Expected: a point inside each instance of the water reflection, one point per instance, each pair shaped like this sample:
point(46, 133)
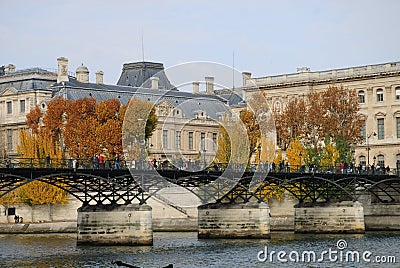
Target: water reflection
point(184, 250)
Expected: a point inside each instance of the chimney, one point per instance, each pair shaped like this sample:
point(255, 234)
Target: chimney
point(99, 77)
point(154, 82)
point(209, 84)
point(62, 74)
point(246, 77)
point(10, 68)
point(196, 87)
point(82, 74)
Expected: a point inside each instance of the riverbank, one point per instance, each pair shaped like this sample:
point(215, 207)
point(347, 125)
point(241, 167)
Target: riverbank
point(42, 227)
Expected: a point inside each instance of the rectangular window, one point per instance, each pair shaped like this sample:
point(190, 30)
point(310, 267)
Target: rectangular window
point(398, 126)
point(215, 141)
point(397, 93)
point(9, 139)
point(22, 106)
point(178, 140)
point(203, 141)
point(190, 140)
point(381, 129)
point(9, 107)
point(165, 139)
point(363, 132)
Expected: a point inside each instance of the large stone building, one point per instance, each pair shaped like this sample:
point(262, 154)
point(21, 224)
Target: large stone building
point(187, 127)
point(378, 88)
point(20, 91)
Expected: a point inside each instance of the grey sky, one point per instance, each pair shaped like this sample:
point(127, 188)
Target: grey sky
point(267, 37)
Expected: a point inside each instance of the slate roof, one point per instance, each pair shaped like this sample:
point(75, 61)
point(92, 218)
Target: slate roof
point(137, 74)
point(25, 83)
point(189, 103)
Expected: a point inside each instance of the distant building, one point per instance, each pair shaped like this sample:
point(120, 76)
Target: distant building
point(187, 127)
point(378, 88)
point(20, 91)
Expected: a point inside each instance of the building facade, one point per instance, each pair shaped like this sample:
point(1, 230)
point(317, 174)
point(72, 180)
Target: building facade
point(20, 91)
point(378, 88)
point(187, 126)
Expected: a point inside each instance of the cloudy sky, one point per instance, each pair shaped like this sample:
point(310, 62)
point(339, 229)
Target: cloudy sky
point(266, 37)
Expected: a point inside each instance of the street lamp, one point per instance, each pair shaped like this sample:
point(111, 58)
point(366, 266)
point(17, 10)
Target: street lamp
point(259, 154)
point(368, 148)
point(204, 153)
point(84, 155)
point(300, 155)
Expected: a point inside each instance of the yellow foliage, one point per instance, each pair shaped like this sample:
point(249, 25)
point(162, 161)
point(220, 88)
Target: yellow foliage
point(295, 153)
point(272, 191)
point(278, 157)
point(9, 199)
point(39, 193)
point(329, 156)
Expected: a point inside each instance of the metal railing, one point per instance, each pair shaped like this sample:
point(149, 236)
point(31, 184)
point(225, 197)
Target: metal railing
point(86, 163)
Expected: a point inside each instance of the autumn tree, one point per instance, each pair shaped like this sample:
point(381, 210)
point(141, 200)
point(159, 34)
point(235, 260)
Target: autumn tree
point(33, 119)
point(329, 114)
point(295, 154)
point(139, 122)
point(233, 146)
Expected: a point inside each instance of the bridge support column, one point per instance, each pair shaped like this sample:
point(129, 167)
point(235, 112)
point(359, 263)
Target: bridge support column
point(343, 217)
point(115, 225)
point(249, 220)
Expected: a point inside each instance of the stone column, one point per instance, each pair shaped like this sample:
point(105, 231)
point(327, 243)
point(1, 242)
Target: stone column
point(117, 225)
point(249, 220)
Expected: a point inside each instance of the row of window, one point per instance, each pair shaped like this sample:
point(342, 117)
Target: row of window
point(378, 160)
point(379, 95)
point(22, 106)
point(190, 140)
point(381, 129)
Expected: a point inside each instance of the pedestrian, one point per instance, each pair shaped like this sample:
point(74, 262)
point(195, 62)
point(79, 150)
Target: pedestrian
point(16, 218)
point(116, 162)
point(48, 160)
point(74, 164)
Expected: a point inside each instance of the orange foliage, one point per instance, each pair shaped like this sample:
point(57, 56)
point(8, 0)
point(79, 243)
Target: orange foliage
point(33, 119)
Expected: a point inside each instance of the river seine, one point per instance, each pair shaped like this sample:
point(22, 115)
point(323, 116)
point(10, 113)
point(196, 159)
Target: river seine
point(373, 249)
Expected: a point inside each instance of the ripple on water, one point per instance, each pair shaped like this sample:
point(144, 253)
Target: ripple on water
point(182, 250)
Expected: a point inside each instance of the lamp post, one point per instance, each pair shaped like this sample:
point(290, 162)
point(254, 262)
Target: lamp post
point(204, 154)
point(259, 154)
point(368, 148)
point(300, 155)
point(84, 155)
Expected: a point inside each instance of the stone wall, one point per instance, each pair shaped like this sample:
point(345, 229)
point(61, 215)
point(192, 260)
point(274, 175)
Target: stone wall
point(250, 220)
point(343, 217)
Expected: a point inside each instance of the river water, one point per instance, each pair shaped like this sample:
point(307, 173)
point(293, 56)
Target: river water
point(183, 249)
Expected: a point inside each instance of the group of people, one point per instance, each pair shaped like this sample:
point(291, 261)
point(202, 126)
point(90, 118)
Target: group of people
point(18, 219)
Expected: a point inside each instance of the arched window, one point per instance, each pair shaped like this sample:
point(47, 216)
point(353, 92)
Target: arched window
point(361, 96)
point(362, 160)
point(381, 161)
point(379, 95)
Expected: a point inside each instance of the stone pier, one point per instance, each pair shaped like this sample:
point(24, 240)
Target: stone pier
point(250, 220)
point(115, 225)
point(343, 217)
